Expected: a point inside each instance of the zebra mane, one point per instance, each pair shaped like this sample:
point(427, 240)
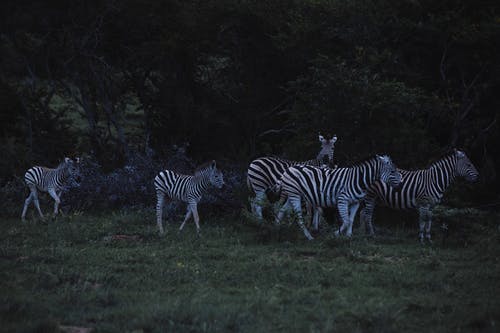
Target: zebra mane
point(203, 167)
point(61, 165)
point(447, 156)
point(367, 160)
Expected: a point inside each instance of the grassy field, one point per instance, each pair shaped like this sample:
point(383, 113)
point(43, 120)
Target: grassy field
point(113, 273)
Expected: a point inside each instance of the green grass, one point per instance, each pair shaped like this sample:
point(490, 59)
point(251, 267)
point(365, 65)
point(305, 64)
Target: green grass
point(242, 278)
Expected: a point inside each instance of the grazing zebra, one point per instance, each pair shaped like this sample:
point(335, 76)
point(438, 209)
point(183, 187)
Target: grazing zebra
point(421, 189)
point(52, 181)
point(186, 188)
point(264, 172)
point(341, 187)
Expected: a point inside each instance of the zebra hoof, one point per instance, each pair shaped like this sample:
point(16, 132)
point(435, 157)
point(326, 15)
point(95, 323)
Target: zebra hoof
point(308, 236)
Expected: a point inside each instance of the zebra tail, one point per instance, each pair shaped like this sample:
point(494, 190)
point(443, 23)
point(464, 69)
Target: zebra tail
point(273, 193)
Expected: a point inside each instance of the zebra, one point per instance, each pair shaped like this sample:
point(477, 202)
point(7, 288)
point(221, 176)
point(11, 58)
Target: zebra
point(341, 187)
point(186, 188)
point(421, 190)
point(264, 172)
point(49, 180)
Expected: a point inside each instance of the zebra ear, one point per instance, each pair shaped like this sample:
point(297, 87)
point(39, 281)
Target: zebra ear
point(383, 158)
point(213, 165)
point(321, 138)
point(67, 160)
point(459, 153)
point(78, 160)
point(334, 139)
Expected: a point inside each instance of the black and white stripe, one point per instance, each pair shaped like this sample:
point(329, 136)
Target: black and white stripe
point(49, 180)
point(341, 187)
point(421, 189)
point(264, 172)
point(186, 188)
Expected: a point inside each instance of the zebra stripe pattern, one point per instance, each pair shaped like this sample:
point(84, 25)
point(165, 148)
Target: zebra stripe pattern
point(186, 188)
point(52, 181)
point(264, 172)
point(421, 190)
point(341, 187)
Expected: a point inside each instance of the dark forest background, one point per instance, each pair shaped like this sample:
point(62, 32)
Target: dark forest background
point(113, 81)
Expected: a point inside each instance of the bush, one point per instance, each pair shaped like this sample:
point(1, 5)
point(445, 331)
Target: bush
point(130, 186)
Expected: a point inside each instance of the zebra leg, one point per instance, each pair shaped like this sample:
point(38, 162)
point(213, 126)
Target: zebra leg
point(257, 204)
point(284, 208)
point(196, 218)
point(428, 226)
point(352, 214)
point(186, 218)
point(318, 212)
point(423, 217)
point(57, 201)
point(343, 209)
point(26, 204)
point(366, 216)
point(160, 200)
point(37, 204)
point(310, 213)
point(297, 207)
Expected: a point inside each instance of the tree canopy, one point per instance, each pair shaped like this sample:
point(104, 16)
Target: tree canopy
point(241, 79)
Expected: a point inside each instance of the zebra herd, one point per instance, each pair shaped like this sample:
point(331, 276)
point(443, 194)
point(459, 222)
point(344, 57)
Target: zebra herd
point(317, 183)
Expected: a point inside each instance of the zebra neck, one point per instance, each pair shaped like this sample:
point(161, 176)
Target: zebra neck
point(203, 180)
point(442, 173)
point(369, 172)
point(62, 173)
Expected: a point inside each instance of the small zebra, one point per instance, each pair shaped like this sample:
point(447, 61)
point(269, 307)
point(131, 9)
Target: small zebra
point(52, 181)
point(341, 187)
point(264, 172)
point(186, 188)
point(421, 190)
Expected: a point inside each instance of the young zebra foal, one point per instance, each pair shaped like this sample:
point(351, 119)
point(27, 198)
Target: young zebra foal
point(186, 188)
point(52, 181)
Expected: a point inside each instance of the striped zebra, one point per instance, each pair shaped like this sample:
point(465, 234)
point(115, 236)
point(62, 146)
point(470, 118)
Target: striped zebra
point(421, 190)
point(53, 181)
point(186, 188)
point(341, 187)
point(264, 172)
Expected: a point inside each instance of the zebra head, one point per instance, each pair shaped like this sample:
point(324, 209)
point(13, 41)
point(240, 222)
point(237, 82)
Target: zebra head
point(327, 149)
point(73, 169)
point(464, 167)
point(216, 177)
point(389, 174)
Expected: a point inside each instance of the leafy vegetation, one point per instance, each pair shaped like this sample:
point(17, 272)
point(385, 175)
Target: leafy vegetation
point(243, 79)
point(112, 272)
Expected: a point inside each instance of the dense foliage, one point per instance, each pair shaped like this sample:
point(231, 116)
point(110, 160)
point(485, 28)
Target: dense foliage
point(239, 79)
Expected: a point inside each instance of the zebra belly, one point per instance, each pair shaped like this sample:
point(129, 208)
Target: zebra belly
point(397, 200)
